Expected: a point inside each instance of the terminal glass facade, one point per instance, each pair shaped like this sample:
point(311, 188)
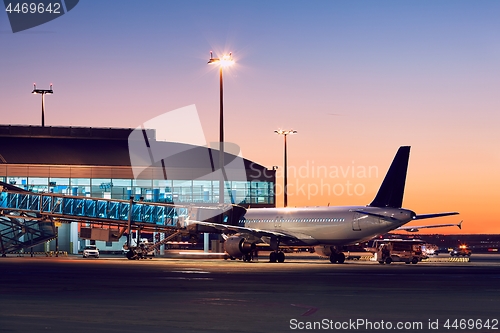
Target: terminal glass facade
point(151, 190)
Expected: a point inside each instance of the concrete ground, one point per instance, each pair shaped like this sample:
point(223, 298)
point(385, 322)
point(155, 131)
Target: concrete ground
point(112, 294)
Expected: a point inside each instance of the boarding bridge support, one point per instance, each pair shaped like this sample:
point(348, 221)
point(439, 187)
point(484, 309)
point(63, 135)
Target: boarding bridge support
point(17, 233)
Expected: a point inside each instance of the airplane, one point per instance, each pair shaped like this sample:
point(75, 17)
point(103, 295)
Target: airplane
point(327, 229)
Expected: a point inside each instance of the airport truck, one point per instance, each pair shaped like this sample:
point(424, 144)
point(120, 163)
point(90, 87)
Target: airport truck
point(408, 251)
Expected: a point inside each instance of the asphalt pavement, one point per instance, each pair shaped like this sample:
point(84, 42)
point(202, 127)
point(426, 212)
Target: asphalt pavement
point(112, 294)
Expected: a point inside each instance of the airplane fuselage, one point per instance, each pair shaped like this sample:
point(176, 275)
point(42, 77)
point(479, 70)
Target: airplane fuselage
point(313, 226)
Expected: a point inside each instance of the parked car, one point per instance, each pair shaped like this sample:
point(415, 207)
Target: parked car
point(90, 251)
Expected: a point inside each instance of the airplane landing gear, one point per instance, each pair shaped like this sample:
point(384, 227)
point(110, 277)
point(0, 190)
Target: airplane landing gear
point(337, 257)
point(131, 255)
point(277, 256)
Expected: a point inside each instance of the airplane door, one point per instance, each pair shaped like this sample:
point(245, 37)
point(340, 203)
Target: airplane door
point(277, 222)
point(356, 222)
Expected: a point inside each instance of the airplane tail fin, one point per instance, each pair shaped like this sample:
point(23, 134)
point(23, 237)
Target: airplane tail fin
point(392, 189)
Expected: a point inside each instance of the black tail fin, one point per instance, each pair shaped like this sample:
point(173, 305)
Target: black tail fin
point(392, 189)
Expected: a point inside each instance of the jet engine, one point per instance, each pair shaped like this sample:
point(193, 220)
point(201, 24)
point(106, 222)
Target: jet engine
point(323, 251)
point(237, 246)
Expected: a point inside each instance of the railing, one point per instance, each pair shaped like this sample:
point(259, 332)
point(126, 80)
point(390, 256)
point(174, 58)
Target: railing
point(27, 218)
point(77, 207)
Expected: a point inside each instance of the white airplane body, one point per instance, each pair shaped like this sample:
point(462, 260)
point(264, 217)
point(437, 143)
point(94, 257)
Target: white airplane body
point(326, 225)
point(326, 228)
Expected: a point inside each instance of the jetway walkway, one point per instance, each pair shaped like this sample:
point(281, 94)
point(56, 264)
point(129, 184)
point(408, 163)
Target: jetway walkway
point(77, 208)
point(28, 219)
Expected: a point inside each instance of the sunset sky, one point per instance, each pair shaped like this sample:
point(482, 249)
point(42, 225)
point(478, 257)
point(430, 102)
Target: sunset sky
point(356, 79)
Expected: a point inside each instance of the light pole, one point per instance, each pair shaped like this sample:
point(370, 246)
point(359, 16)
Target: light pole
point(225, 61)
point(42, 92)
point(285, 133)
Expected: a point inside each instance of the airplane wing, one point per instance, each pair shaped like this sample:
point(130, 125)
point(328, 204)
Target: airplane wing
point(416, 217)
point(235, 229)
point(417, 228)
point(430, 216)
point(374, 214)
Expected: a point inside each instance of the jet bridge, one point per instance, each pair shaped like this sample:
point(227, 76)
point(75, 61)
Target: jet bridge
point(27, 219)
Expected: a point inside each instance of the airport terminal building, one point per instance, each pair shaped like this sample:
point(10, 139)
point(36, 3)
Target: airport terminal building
point(96, 162)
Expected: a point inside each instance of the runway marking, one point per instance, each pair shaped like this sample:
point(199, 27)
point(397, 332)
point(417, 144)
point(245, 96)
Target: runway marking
point(182, 278)
point(310, 311)
point(222, 301)
point(190, 272)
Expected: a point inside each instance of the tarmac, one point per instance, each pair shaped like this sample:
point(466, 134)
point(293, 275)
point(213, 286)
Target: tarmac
point(112, 294)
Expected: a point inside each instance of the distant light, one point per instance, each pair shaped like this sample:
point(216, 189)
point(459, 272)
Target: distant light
point(285, 132)
point(225, 61)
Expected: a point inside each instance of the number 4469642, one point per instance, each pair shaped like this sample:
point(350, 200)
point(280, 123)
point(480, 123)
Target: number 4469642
point(32, 8)
point(471, 324)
